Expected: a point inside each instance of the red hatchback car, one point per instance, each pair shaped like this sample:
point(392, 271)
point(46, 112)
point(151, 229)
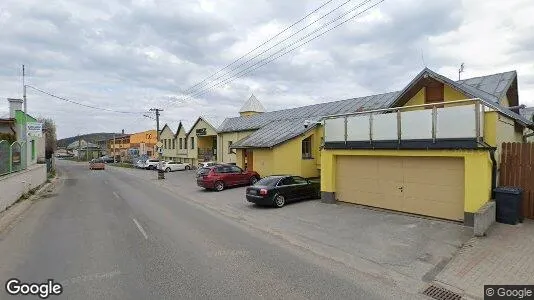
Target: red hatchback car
point(219, 177)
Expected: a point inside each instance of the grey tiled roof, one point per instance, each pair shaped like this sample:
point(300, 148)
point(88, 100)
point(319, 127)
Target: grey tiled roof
point(496, 84)
point(276, 127)
point(310, 111)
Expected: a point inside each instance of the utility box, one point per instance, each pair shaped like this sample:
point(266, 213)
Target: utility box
point(509, 205)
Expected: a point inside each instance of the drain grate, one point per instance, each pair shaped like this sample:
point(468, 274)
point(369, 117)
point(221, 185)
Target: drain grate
point(440, 293)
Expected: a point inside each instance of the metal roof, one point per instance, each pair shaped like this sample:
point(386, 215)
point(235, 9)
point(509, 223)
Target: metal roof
point(252, 104)
point(279, 126)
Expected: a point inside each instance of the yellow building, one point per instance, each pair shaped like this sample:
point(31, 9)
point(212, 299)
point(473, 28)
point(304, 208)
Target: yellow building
point(201, 142)
point(145, 141)
point(435, 152)
point(181, 144)
point(166, 137)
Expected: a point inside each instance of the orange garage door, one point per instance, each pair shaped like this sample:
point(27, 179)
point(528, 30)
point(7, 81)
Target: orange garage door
point(431, 186)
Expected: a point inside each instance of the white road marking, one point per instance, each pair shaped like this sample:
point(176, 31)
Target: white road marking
point(90, 277)
point(105, 182)
point(140, 228)
point(116, 195)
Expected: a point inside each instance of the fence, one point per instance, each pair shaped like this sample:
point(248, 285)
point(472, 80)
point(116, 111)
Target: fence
point(517, 162)
point(12, 157)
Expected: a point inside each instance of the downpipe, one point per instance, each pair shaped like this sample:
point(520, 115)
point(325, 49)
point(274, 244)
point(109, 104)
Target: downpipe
point(493, 172)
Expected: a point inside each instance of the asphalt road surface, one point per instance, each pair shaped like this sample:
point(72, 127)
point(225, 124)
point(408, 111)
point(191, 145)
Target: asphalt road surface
point(110, 235)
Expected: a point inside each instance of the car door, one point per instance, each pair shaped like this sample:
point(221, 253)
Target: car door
point(285, 188)
point(240, 177)
point(226, 175)
point(301, 188)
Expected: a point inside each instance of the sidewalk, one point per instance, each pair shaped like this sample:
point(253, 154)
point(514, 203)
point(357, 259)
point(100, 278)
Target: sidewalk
point(505, 256)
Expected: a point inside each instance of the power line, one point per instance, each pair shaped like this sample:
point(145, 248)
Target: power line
point(81, 104)
point(259, 46)
point(275, 45)
point(268, 60)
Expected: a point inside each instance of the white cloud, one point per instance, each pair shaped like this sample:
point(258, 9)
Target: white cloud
point(135, 55)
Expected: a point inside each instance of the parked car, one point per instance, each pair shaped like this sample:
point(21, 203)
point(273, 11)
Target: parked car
point(140, 164)
point(97, 164)
point(151, 164)
point(107, 159)
point(219, 177)
point(175, 166)
point(207, 164)
point(279, 190)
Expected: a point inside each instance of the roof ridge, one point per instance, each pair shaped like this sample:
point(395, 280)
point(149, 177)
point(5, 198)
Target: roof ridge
point(476, 77)
point(317, 104)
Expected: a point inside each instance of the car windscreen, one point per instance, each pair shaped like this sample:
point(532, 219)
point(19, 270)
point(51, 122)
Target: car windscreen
point(203, 171)
point(268, 181)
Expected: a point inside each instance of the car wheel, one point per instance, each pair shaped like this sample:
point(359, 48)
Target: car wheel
point(168, 170)
point(219, 186)
point(319, 194)
point(151, 167)
point(253, 180)
point(279, 200)
point(188, 168)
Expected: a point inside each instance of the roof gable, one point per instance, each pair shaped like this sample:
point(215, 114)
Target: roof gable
point(167, 130)
point(204, 120)
point(181, 128)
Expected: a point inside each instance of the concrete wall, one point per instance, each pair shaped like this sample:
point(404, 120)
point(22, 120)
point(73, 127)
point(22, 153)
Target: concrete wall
point(15, 185)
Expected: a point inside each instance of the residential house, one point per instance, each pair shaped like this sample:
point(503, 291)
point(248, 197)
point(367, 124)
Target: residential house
point(202, 141)
point(14, 126)
point(83, 149)
point(431, 149)
point(181, 144)
point(166, 137)
point(119, 146)
point(528, 113)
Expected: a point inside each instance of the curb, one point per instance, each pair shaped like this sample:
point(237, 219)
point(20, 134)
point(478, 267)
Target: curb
point(12, 213)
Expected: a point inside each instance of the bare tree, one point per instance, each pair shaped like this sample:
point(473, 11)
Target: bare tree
point(49, 128)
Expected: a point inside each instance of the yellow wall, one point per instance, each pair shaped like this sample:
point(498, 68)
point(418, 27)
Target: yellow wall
point(449, 94)
point(477, 170)
point(418, 99)
point(147, 137)
point(222, 149)
point(286, 158)
point(248, 113)
point(192, 153)
point(263, 162)
point(168, 152)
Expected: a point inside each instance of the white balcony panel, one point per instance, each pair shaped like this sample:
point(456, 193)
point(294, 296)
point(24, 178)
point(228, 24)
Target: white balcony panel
point(334, 130)
point(456, 122)
point(358, 128)
point(416, 125)
point(385, 127)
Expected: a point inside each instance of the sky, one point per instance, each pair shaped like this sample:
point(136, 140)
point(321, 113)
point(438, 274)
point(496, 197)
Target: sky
point(133, 55)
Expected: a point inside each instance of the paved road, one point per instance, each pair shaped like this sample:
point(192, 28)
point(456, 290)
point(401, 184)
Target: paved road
point(110, 235)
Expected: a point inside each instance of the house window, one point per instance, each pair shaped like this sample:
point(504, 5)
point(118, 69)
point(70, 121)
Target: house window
point(173, 144)
point(185, 143)
point(165, 144)
point(180, 143)
point(306, 148)
point(192, 143)
point(229, 147)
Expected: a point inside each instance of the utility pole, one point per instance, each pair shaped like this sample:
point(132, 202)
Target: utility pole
point(25, 114)
point(114, 161)
point(161, 173)
point(79, 146)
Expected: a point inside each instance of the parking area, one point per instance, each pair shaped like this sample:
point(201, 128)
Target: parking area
point(406, 249)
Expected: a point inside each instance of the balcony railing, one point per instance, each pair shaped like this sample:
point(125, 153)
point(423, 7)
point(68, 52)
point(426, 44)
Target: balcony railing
point(453, 124)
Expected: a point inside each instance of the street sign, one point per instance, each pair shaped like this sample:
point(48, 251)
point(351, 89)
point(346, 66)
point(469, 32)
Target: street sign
point(160, 150)
point(34, 129)
point(159, 144)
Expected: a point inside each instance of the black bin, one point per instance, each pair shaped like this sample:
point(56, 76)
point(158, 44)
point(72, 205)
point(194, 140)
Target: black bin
point(509, 205)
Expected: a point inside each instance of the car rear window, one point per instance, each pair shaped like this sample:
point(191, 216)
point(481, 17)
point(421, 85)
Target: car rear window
point(268, 181)
point(203, 171)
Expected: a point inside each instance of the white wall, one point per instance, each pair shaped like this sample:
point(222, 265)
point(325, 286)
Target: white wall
point(14, 185)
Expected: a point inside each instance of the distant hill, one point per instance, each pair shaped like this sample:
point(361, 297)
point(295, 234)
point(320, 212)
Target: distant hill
point(90, 137)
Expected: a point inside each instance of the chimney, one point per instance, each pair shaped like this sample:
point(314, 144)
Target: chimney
point(14, 105)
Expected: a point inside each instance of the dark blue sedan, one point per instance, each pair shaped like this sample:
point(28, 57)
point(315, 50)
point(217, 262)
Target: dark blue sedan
point(280, 189)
